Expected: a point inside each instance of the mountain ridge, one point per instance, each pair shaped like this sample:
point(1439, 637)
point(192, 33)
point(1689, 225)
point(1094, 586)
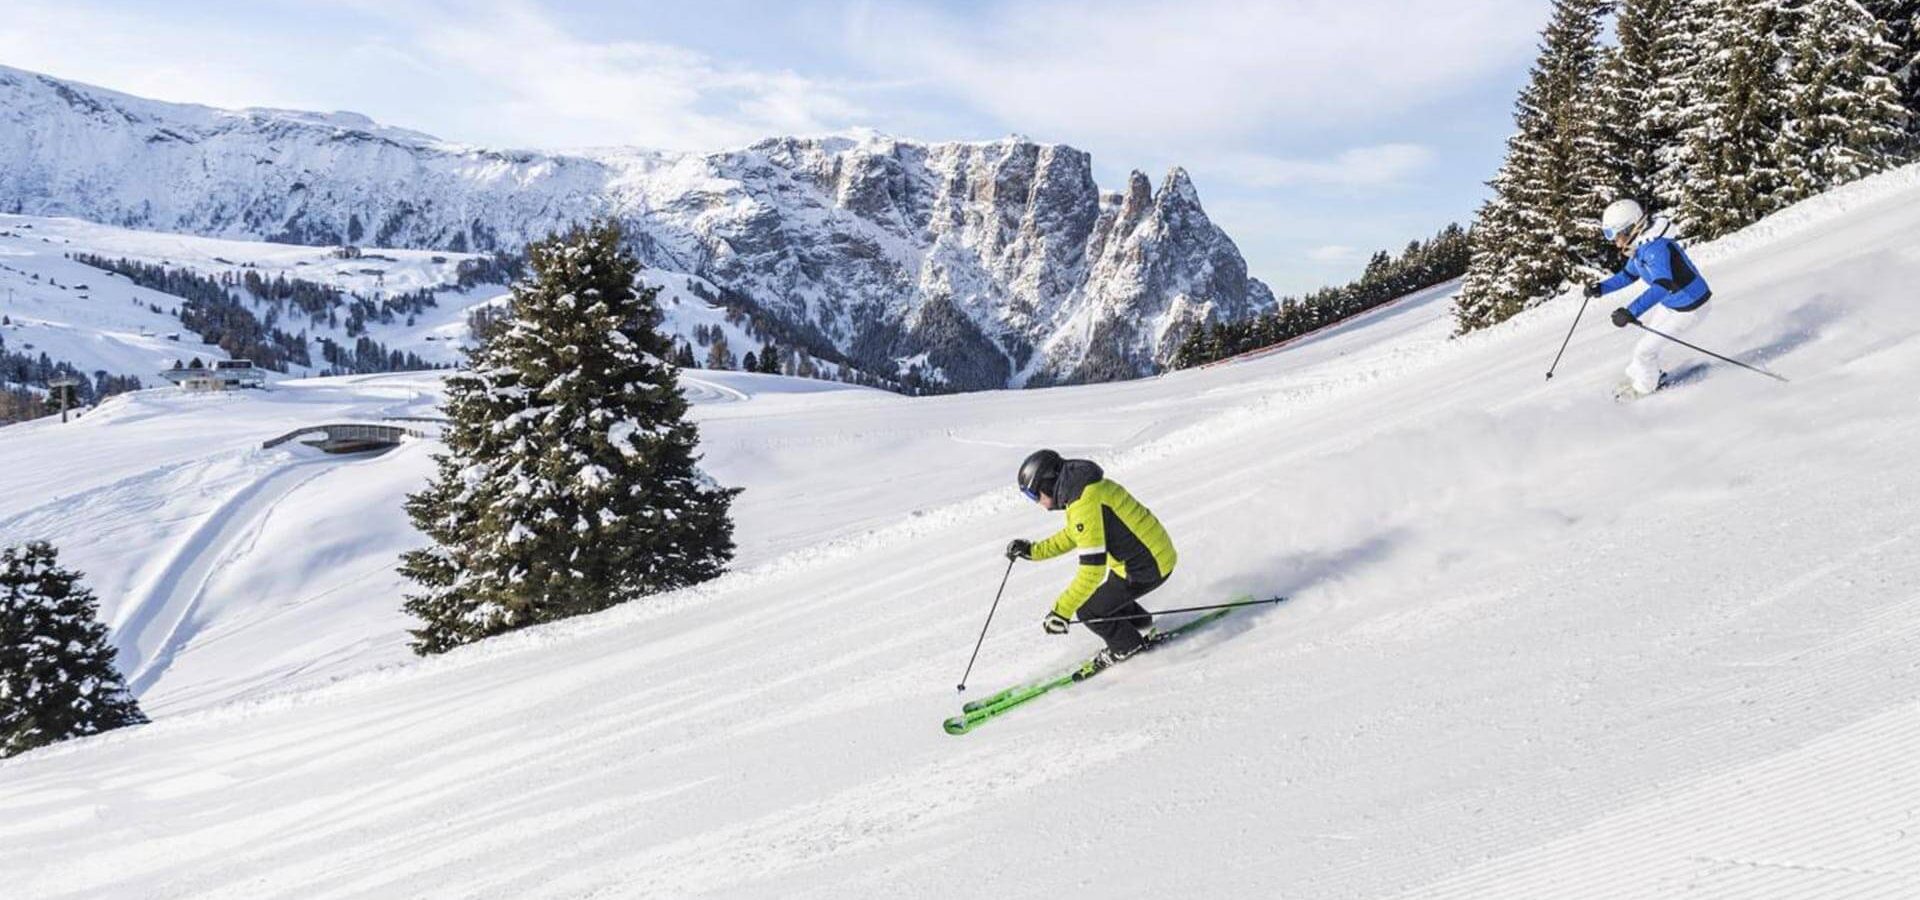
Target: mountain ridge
point(988, 264)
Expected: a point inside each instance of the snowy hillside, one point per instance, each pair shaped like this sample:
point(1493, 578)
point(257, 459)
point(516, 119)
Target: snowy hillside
point(99, 321)
point(1539, 643)
point(987, 263)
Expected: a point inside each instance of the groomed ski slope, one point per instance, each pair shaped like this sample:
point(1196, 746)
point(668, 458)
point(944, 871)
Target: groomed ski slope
point(1540, 644)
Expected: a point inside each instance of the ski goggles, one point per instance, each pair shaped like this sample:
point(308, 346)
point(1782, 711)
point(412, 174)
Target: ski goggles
point(1031, 494)
point(1613, 234)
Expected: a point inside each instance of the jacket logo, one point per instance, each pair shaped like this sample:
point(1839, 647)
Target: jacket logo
point(1082, 526)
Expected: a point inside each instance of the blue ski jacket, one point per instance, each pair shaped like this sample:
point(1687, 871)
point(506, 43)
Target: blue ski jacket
point(1670, 276)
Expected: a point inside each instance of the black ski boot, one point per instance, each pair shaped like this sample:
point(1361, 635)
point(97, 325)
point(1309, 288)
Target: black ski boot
point(1105, 659)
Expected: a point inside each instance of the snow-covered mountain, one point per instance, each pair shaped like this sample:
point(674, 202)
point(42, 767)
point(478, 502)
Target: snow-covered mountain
point(988, 264)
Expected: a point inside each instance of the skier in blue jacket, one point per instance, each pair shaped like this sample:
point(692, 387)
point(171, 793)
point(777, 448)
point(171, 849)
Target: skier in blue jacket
point(1675, 300)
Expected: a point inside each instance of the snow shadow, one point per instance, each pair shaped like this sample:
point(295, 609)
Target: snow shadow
point(1293, 574)
point(1801, 326)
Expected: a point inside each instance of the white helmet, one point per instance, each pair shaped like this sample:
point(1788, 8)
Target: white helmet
point(1621, 217)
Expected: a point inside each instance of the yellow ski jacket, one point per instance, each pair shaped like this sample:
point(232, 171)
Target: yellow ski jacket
point(1112, 532)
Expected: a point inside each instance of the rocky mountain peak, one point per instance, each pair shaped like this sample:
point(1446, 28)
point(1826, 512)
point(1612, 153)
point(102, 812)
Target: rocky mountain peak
point(984, 264)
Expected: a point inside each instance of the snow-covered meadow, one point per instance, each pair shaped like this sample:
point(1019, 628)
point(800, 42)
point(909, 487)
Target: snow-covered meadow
point(1539, 643)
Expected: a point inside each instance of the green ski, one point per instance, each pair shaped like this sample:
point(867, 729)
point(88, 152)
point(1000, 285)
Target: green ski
point(978, 711)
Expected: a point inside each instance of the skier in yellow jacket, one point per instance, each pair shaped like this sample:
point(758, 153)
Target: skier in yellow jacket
point(1124, 552)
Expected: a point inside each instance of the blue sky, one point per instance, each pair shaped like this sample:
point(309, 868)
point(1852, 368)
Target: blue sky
point(1316, 130)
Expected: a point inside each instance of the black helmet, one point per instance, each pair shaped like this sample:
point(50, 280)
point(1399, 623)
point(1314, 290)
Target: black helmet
point(1038, 473)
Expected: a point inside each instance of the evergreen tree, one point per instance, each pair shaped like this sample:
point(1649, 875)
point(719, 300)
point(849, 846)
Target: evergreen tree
point(1902, 18)
point(57, 679)
point(1674, 102)
point(683, 356)
point(1732, 137)
point(1633, 127)
point(1487, 297)
point(1844, 117)
point(1543, 217)
point(570, 482)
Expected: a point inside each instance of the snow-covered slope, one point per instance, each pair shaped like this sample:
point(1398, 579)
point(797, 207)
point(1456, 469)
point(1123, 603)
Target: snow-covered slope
point(1539, 643)
point(994, 263)
point(99, 321)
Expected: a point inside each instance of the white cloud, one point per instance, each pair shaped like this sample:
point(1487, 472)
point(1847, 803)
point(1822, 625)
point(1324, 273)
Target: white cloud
point(518, 64)
point(1197, 70)
point(1376, 166)
point(503, 73)
point(1333, 253)
point(124, 53)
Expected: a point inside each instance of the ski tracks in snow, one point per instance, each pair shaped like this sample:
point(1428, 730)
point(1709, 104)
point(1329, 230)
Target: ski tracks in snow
point(152, 630)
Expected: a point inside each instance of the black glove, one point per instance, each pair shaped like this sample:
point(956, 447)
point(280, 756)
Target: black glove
point(1622, 318)
point(1593, 290)
point(1055, 623)
point(1019, 548)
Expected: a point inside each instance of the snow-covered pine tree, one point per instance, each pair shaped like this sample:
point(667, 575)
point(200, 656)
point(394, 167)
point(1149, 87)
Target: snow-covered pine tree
point(1844, 117)
point(1486, 296)
point(1543, 218)
point(57, 679)
point(1632, 126)
point(1902, 18)
point(1734, 141)
point(570, 482)
point(1677, 99)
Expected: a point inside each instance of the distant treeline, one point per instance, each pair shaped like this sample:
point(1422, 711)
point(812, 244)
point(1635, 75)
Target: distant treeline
point(21, 372)
point(1421, 265)
point(210, 307)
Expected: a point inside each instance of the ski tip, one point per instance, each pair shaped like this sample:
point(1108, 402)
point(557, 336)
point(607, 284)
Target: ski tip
point(955, 725)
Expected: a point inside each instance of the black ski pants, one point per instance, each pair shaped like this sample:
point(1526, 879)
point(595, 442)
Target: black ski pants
point(1119, 597)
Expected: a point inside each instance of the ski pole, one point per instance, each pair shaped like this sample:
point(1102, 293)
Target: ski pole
point(1717, 356)
point(983, 626)
point(1563, 344)
point(1180, 610)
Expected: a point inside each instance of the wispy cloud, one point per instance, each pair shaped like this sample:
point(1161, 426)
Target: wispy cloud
point(1196, 70)
point(521, 65)
point(505, 72)
point(1333, 253)
point(1376, 166)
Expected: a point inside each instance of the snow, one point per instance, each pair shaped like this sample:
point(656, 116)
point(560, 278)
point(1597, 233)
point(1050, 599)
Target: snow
point(111, 326)
point(1539, 643)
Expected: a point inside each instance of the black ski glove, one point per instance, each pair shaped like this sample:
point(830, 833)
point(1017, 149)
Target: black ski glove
point(1019, 548)
point(1055, 623)
point(1622, 318)
point(1593, 290)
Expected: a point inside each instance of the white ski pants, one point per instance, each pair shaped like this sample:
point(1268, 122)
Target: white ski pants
point(1644, 369)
